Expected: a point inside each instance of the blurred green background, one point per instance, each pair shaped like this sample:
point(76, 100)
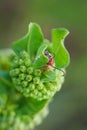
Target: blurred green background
point(68, 110)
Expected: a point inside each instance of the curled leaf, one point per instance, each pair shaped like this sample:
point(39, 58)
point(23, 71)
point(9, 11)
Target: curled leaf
point(21, 44)
point(35, 39)
point(61, 57)
point(41, 59)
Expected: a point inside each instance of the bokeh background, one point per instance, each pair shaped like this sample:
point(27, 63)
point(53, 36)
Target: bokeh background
point(68, 110)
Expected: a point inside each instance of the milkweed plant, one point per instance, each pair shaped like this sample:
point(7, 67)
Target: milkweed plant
point(30, 75)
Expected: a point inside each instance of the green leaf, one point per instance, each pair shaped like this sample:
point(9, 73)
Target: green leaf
point(61, 58)
point(41, 59)
point(49, 76)
point(35, 39)
point(30, 106)
point(21, 44)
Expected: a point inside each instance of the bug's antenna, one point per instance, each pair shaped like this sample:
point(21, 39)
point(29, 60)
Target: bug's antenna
point(59, 69)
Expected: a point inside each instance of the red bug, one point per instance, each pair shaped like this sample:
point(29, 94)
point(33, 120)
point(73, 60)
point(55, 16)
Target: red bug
point(50, 64)
point(51, 61)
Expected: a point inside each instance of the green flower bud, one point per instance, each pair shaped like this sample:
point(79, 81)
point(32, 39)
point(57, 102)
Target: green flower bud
point(27, 62)
point(40, 94)
point(23, 69)
point(15, 64)
point(30, 70)
point(49, 93)
point(21, 76)
point(20, 62)
point(35, 92)
point(44, 90)
point(16, 81)
point(40, 86)
point(14, 72)
point(24, 54)
point(31, 86)
point(29, 78)
point(27, 90)
point(24, 83)
point(37, 72)
point(36, 80)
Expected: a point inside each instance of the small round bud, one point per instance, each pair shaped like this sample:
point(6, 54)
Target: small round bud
point(27, 62)
point(40, 94)
point(30, 70)
point(23, 69)
point(14, 72)
point(29, 81)
point(15, 64)
point(40, 86)
point(20, 62)
point(23, 54)
point(49, 86)
point(21, 76)
point(35, 92)
point(44, 90)
point(18, 82)
point(28, 78)
point(24, 83)
point(36, 80)
point(31, 86)
point(49, 93)
point(14, 80)
point(27, 90)
point(37, 72)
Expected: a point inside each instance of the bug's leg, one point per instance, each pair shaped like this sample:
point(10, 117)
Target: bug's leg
point(60, 70)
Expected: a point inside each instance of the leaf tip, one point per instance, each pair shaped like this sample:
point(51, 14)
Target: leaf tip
point(60, 32)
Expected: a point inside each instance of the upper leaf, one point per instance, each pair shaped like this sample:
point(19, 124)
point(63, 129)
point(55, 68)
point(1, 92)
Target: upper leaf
point(61, 57)
point(35, 39)
point(21, 44)
point(41, 59)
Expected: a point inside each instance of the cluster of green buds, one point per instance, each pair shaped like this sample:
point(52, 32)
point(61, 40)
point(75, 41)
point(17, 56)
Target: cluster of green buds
point(30, 77)
point(30, 81)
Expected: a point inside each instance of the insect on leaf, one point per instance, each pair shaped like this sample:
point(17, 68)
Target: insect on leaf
point(41, 59)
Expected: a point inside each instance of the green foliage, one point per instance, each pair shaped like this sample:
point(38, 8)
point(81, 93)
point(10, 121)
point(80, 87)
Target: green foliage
point(35, 39)
point(40, 55)
point(21, 44)
point(34, 43)
point(28, 85)
point(58, 36)
point(33, 82)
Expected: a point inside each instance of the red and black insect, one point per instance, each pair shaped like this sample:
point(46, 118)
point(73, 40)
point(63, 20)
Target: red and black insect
point(50, 57)
point(50, 64)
